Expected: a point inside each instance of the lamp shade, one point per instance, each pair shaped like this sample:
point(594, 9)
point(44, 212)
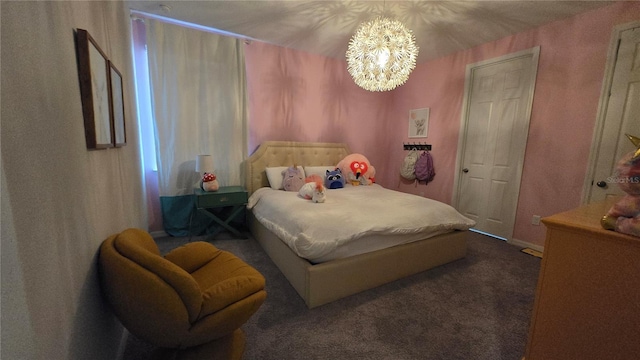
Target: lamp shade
point(204, 164)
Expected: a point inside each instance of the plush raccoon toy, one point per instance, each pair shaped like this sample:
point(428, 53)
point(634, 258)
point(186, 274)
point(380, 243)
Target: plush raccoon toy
point(334, 179)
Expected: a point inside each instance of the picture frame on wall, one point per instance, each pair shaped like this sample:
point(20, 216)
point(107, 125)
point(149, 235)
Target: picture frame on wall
point(116, 101)
point(419, 123)
point(93, 72)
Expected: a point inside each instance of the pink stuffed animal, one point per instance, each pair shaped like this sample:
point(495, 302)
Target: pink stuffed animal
point(624, 216)
point(358, 169)
point(314, 178)
point(292, 179)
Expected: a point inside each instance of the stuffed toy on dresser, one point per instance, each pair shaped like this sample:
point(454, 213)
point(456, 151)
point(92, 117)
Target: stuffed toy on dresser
point(624, 215)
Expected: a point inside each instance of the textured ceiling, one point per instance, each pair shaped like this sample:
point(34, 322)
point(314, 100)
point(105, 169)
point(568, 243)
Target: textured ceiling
point(325, 27)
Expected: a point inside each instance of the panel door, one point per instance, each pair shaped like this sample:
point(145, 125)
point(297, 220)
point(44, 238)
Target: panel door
point(496, 129)
point(622, 117)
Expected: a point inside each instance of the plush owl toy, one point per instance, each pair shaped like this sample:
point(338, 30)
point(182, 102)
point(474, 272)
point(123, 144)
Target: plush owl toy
point(624, 216)
point(357, 169)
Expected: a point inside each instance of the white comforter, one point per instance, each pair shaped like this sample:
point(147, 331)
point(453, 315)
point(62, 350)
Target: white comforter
point(313, 230)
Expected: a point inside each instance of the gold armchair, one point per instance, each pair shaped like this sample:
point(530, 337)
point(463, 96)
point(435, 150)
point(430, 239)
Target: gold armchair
point(196, 294)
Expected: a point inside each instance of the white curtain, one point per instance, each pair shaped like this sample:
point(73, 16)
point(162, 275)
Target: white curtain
point(198, 88)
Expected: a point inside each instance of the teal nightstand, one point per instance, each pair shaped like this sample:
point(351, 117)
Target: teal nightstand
point(228, 200)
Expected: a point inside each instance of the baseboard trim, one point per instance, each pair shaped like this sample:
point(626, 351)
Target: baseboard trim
point(526, 244)
point(158, 234)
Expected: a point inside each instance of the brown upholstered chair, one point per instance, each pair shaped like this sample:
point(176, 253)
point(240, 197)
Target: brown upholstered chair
point(195, 297)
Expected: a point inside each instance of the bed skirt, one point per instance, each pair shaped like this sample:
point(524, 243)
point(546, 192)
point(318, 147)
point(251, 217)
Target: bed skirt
point(319, 284)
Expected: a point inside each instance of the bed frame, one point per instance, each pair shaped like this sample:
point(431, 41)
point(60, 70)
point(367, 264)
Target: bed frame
point(319, 284)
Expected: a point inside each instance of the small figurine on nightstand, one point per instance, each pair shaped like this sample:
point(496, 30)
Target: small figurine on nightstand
point(209, 182)
point(624, 216)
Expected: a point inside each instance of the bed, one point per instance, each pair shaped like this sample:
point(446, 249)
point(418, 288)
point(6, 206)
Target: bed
point(330, 277)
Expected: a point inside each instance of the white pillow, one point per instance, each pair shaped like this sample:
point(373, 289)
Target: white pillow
point(274, 175)
point(318, 170)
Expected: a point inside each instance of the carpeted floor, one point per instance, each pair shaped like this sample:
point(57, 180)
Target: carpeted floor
point(475, 308)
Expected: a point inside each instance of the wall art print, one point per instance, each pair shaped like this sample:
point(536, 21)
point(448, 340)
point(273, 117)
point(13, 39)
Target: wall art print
point(94, 89)
point(116, 101)
point(419, 123)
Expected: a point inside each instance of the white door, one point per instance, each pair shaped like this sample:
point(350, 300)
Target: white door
point(622, 117)
point(498, 99)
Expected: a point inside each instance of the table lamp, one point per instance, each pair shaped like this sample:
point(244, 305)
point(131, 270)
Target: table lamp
point(204, 164)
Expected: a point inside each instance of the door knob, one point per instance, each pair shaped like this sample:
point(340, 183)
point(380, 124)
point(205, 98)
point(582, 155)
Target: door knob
point(465, 170)
point(601, 184)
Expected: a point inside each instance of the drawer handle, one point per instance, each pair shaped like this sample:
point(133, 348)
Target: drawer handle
point(224, 199)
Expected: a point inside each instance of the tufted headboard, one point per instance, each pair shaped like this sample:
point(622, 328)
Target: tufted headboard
point(287, 153)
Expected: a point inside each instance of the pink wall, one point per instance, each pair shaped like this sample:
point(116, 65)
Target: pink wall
point(297, 96)
point(570, 73)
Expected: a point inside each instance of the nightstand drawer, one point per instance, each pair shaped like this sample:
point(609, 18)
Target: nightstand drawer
point(225, 196)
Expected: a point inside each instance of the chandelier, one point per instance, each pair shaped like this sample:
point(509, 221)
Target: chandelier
point(381, 55)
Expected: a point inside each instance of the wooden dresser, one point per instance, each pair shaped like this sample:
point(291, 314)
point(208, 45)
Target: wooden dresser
point(587, 303)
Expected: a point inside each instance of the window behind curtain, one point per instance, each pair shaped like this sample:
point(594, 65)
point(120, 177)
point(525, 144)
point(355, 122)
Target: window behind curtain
point(191, 100)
